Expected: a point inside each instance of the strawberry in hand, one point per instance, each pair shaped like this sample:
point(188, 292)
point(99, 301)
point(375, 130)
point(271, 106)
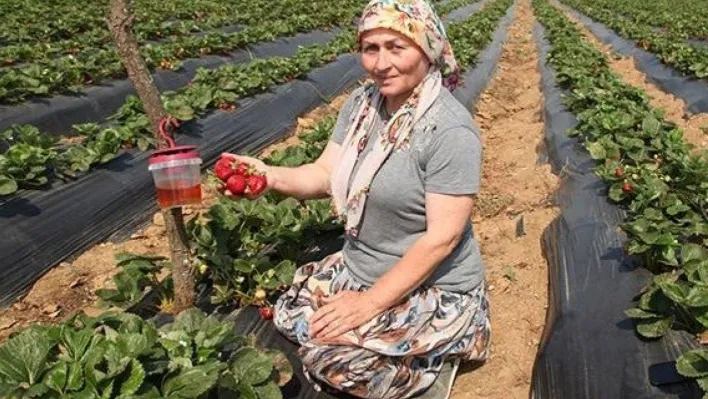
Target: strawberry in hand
point(224, 169)
point(256, 184)
point(236, 185)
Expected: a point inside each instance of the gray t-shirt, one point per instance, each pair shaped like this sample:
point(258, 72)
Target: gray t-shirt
point(444, 157)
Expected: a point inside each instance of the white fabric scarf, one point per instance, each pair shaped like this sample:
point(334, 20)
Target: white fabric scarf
point(350, 203)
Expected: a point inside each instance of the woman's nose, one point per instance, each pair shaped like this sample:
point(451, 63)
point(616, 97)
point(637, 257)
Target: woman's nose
point(382, 62)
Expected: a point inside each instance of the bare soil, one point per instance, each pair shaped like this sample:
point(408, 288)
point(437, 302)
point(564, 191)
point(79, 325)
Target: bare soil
point(70, 287)
point(695, 127)
point(513, 210)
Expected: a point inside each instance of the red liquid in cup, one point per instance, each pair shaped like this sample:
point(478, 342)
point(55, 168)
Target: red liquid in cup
point(170, 197)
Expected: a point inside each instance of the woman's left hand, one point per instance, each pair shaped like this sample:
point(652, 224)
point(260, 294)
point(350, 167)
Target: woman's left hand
point(342, 313)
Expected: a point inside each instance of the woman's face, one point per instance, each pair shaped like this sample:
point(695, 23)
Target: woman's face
point(395, 63)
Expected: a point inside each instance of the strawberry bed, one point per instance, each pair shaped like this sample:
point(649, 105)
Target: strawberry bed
point(657, 192)
point(50, 74)
point(670, 46)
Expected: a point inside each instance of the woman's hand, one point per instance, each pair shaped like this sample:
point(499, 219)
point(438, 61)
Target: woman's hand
point(259, 167)
point(342, 313)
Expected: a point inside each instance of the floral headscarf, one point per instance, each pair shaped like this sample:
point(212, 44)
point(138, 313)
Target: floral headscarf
point(416, 20)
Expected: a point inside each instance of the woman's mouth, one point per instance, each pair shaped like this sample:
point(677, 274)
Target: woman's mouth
point(386, 80)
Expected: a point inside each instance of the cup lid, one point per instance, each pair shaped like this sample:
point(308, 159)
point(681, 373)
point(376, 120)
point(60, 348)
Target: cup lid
point(181, 152)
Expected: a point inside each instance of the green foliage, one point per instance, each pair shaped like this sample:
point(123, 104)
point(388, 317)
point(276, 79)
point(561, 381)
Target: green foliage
point(660, 27)
point(651, 172)
point(118, 355)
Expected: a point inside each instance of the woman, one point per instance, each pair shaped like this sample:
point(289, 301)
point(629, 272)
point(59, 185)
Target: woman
point(406, 295)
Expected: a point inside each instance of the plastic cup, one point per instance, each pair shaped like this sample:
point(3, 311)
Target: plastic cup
point(177, 175)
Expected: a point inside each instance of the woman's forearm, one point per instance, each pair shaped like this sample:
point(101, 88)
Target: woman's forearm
point(310, 181)
point(418, 263)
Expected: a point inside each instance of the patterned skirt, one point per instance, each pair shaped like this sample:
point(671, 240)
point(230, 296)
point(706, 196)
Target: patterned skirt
point(397, 354)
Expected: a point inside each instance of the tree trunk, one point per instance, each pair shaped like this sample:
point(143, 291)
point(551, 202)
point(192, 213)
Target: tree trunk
point(120, 24)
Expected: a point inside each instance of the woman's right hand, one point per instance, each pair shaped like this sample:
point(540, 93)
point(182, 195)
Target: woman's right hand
point(259, 167)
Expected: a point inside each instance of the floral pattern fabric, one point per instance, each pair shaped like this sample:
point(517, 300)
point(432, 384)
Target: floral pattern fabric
point(399, 353)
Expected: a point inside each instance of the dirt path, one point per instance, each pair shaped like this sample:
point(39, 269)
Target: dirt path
point(515, 187)
point(70, 286)
point(695, 127)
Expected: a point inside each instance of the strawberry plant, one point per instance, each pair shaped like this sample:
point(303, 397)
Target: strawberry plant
point(50, 74)
point(138, 274)
point(250, 249)
point(672, 49)
point(683, 18)
point(652, 173)
point(119, 355)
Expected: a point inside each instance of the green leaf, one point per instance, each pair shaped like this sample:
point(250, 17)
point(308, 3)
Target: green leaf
point(76, 343)
point(693, 363)
point(134, 380)
point(701, 315)
point(654, 328)
point(285, 272)
point(76, 377)
point(190, 321)
point(653, 214)
point(636, 313)
point(57, 377)
point(651, 125)
point(691, 252)
point(269, 391)
point(675, 291)
point(251, 366)
point(23, 358)
point(616, 194)
point(192, 383)
point(8, 185)
point(133, 345)
point(697, 297)
point(703, 383)
point(596, 150)
point(247, 391)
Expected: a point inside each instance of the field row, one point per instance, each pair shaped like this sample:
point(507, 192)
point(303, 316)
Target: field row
point(67, 73)
point(652, 173)
point(672, 49)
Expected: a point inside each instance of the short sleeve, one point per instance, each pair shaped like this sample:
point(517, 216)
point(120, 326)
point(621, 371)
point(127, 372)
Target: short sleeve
point(453, 162)
point(340, 128)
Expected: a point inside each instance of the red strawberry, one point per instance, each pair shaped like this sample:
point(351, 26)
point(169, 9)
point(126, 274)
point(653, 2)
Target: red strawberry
point(619, 172)
point(236, 184)
point(256, 184)
point(626, 187)
point(224, 169)
point(243, 169)
point(266, 312)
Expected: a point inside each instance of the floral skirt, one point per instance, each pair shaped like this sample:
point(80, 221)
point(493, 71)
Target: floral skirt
point(397, 354)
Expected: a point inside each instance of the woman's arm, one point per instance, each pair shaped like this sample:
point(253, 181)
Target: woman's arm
point(309, 181)
point(446, 218)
